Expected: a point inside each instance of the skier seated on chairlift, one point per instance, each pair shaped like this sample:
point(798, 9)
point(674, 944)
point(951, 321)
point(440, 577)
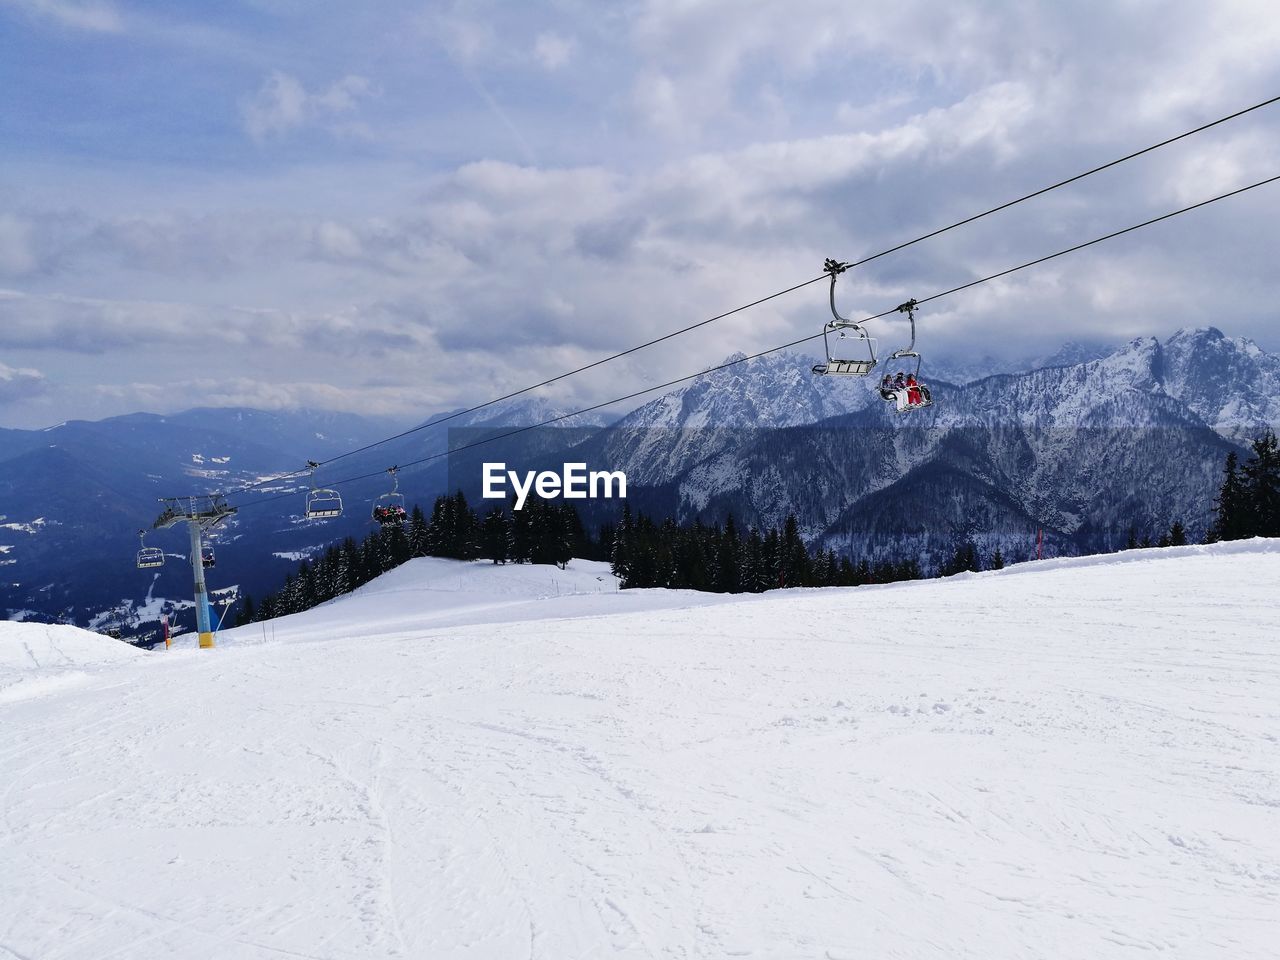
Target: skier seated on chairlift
point(388, 514)
point(914, 397)
point(923, 397)
point(904, 391)
point(894, 390)
point(900, 394)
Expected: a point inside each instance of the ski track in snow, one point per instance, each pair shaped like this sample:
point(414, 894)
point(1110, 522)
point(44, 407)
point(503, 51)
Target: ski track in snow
point(1068, 759)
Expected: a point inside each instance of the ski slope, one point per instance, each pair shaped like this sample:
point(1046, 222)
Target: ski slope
point(1068, 759)
point(429, 591)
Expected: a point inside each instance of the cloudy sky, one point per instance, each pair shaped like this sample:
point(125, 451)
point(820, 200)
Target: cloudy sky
point(397, 207)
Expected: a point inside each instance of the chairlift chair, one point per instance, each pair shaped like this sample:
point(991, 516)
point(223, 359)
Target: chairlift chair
point(321, 501)
point(148, 557)
point(388, 509)
point(207, 558)
point(926, 398)
point(852, 363)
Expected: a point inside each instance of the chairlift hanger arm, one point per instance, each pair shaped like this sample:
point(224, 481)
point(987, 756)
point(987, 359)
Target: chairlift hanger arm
point(909, 308)
point(835, 268)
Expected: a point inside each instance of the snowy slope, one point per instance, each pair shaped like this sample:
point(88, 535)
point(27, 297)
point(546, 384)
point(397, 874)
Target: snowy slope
point(36, 658)
point(1069, 759)
point(430, 591)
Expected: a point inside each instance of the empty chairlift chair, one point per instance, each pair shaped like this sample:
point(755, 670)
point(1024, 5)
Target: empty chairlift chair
point(148, 556)
point(857, 358)
point(322, 502)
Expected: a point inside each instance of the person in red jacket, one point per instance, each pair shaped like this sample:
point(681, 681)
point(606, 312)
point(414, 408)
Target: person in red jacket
point(914, 397)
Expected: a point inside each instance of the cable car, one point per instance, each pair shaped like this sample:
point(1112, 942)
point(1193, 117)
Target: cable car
point(322, 503)
point(148, 557)
point(858, 358)
point(207, 559)
point(388, 509)
point(911, 395)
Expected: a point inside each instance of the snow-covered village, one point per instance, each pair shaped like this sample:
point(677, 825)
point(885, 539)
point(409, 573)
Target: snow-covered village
point(655, 480)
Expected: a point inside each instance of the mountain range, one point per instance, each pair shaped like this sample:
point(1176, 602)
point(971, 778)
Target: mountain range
point(1083, 445)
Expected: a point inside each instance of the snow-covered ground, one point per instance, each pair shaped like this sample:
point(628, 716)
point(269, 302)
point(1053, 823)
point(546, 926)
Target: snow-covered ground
point(1071, 759)
point(37, 658)
point(445, 593)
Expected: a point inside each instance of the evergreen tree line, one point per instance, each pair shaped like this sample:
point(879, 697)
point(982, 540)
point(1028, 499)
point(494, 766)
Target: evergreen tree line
point(1248, 503)
point(645, 553)
point(1175, 536)
point(642, 553)
point(723, 560)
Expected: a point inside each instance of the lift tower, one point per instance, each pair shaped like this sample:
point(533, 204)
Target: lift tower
point(199, 513)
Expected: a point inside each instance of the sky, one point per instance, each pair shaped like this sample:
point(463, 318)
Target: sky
point(395, 208)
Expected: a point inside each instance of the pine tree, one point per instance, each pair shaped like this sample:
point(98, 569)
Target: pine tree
point(397, 545)
point(997, 560)
point(963, 559)
point(247, 612)
point(1177, 534)
point(794, 565)
point(1262, 480)
point(623, 545)
point(728, 577)
point(774, 564)
point(847, 575)
point(495, 535)
point(1231, 520)
point(563, 526)
point(354, 562)
point(418, 533)
point(753, 574)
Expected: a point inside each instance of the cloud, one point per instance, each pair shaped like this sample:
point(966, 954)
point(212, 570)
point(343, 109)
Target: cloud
point(282, 104)
point(93, 326)
point(17, 257)
point(20, 383)
point(263, 395)
point(457, 260)
point(552, 50)
point(464, 35)
point(94, 15)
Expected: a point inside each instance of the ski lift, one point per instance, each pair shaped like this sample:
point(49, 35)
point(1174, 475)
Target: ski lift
point(852, 363)
point(207, 559)
point(148, 556)
point(388, 509)
point(924, 399)
point(321, 502)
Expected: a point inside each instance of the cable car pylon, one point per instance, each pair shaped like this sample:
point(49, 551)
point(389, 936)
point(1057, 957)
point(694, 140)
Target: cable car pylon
point(199, 513)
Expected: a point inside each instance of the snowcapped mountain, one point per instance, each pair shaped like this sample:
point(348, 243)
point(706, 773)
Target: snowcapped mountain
point(1229, 382)
point(660, 440)
point(1084, 450)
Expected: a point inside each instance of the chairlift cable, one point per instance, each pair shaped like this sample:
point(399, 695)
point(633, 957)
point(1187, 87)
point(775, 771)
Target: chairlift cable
point(772, 296)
